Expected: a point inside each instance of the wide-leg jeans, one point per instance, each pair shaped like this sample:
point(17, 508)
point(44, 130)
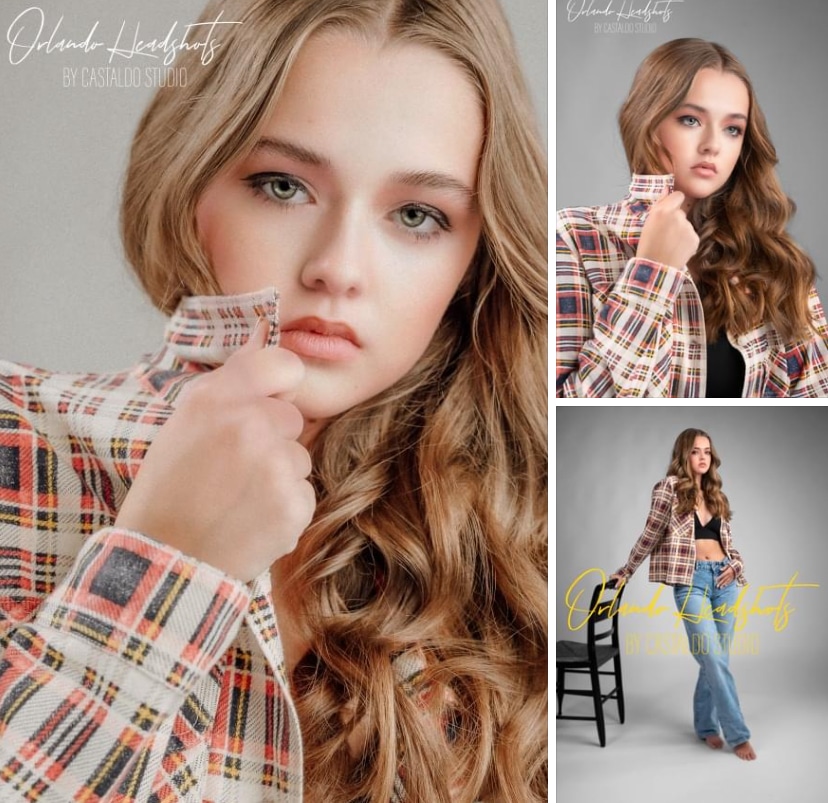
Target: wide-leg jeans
point(709, 619)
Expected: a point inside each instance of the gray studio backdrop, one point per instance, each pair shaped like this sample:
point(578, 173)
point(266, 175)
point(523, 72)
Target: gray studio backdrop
point(782, 45)
point(67, 298)
point(773, 470)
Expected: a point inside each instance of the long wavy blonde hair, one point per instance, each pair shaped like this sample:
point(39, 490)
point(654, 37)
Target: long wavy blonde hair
point(711, 483)
point(741, 227)
point(430, 534)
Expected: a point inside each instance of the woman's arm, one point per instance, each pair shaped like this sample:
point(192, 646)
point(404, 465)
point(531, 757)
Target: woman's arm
point(661, 506)
point(735, 558)
point(626, 350)
point(102, 635)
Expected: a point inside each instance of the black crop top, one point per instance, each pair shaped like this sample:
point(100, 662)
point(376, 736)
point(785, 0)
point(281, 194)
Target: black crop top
point(712, 530)
point(725, 369)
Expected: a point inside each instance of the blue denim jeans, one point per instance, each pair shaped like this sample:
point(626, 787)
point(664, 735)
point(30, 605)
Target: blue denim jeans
point(709, 625)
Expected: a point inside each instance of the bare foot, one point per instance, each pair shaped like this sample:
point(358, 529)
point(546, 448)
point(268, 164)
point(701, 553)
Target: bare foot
point(714, 742)
point(745, 751)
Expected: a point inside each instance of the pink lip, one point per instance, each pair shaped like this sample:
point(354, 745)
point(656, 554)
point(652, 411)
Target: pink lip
point(319, 339)
point(706, 169)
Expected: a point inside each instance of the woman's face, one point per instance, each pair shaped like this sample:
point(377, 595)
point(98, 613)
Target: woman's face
point(704, 135)
point(359, 205)
point(701, 457)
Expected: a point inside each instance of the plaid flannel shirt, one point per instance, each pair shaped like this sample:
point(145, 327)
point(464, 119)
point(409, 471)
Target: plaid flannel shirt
point(128, 670)
point(669, 540)
point(633, 327)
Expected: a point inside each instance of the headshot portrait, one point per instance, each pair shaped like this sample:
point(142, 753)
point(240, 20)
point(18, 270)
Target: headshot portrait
point(688, 253)
point(274, 401)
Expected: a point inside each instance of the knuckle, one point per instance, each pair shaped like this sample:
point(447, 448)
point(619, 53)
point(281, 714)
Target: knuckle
point(290, 368)
point(287, 415)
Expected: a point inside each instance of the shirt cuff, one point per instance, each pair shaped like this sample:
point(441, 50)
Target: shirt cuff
point(654, 283)
point(149, 605)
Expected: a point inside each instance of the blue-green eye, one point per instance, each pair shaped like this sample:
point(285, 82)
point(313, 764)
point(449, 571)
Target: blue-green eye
point(279, 187)
point(413, 217)
point(282, 188)
point(421, 221)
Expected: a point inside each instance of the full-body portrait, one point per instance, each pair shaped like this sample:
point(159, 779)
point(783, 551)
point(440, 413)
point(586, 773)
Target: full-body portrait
point(687, 538)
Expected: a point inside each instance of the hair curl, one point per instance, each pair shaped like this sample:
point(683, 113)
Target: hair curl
point(430, 533)
point(711, 482)
point(750, 271)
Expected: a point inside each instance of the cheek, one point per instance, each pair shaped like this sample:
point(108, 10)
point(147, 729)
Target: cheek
point(224, 236)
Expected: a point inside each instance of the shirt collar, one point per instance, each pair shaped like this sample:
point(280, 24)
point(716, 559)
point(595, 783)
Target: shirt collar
point(208, 329)
point(202, 333)
point(649, 188)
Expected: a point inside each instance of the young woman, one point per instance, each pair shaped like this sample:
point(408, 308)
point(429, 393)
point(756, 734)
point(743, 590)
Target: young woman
point(688, 539)
point(690, 286)
point(164, 636)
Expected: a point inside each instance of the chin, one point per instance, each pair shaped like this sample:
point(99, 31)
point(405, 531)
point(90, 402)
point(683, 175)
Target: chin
point(697, 189)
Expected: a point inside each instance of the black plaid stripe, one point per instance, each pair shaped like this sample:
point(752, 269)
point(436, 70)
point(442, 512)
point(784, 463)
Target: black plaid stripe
point(131, 782)
point(170, 593)
point(109, 770)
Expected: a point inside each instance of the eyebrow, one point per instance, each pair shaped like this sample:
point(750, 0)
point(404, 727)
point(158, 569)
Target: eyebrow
point(436, 181)
point(292, 151)
point(430, 179)
point(733, 116)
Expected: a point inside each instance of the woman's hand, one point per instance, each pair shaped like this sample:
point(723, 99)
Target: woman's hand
point(668, 236)
point(225, 480)
point(618, 579)
point(726, 577)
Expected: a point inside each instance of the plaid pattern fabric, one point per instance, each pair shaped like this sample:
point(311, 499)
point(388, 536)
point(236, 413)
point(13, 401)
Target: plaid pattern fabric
point(669, 540)
point(129, 671)
point(632, 327)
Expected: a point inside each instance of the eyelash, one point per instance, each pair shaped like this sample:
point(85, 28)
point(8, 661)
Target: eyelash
point(259, 181)
point(738, 131)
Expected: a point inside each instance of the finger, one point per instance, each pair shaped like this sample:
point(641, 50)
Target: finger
point(299, 459)
point(264, 372)
point(672, 200)
point(257, 339)
point(286, 417)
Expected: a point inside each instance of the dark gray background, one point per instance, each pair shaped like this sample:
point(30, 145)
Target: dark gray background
point(67, 299)
point(773, 470)
point(781, 44)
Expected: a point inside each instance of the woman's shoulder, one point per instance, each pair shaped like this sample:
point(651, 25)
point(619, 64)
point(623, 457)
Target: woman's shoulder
point(569, 216)
point(32, 380)
point(668, 482)
point(41, 396)
point(666, 486)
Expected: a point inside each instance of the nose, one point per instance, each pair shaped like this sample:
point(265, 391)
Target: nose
point(338, 255)
point(711, 142)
